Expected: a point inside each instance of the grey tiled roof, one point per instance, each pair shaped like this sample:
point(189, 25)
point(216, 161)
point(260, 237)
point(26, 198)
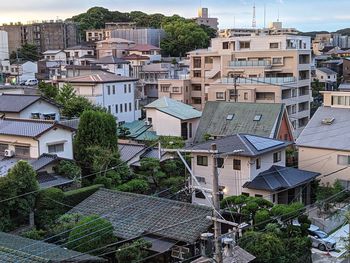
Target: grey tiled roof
point(51, 180)
point(335, 136)
point(73, 123)
point(278, 177)
point(214, 119)
point(18, 102)
point(327, 71)
point(44, 160)
point(19, 249)
point(110, 60)
point(132, 215)
point(129, 151)
point(243, 142)
point(24, 127)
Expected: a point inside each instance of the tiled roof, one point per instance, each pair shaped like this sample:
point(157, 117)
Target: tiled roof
point(116, 40)
point(175, 108)
point(17, 102)
point(73, 123)
point(143, 48)
point(19, 249)
point(102, 77)
point(47, 180)
point(24, 127)
point(79, 47)
point(216, 122)
point(44, 160)
point(132, 215)
point(328, 136)
point(135, 57)
point(327, 71)
point(278, 177)
point(129, 151)
point(250, 145)
point(110, 60)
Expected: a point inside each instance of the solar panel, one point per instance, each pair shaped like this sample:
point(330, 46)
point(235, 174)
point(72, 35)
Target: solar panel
point(261, 143)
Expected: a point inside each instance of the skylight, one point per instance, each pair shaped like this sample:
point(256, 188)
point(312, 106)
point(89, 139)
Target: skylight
point(230, 117)
point(257, 117)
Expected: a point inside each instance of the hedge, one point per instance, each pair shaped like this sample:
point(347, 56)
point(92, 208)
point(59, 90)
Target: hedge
point(74, 197)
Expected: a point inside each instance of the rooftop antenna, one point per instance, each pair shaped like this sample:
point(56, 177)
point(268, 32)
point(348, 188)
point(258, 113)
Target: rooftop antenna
point(278, 14)
point(254, 17)
point(234, 21)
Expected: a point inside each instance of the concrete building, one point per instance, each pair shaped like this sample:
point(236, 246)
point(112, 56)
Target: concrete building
point(324, 145)
point(204, 19)
point(150, 51)
point(22, 71)
point(93, 35)
point(266, 69)
point(46, 35)
point(113, 64)
point(149, 36)
point(79, 55)
point(113, 47)
point(346, 69)
point(328, 77)
point(4, 46)
point(115, 93)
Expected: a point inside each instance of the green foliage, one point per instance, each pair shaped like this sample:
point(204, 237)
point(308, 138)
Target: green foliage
point(139, 186)
point(36, 234)
point(49, 206)
point(68, 169)
point(65, 94)
point(182, 37)
point(206, 137)
point(288, 212)
point(261, 218)
point(171, 142)
point(7, 190)
point(324, 192)
point(48, 90)
point(77, 105)
point(133, 252)
point(150, 169)
point(123, 132)
point(26, 52)
point(90, 233)
point(74, 197)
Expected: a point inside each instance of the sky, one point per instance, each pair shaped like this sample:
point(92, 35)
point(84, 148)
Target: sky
point(304, 15)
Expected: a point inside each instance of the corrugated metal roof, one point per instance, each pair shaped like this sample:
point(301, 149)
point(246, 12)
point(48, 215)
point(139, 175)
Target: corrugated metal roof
point(215, 121)
point(175, 108)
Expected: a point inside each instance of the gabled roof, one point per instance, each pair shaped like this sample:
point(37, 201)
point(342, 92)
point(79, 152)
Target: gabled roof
point(102, 77)
point(73, 123)
point(327, 71)
point(52, 52)
point(135, 57)
point(133, 215)
point(174, 108)
point(110, 60)
point(116, 40)
point(79, 47)
point(27, 127)
point(128, 151)
point(278, 177)
point(15, 248)
point(327, 136)
point(216, 119)
point(250, 145)
point(16, 103)
point(143, 48)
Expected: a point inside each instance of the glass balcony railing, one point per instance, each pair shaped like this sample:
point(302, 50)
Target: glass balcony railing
point(259, 81)
point(252, 63)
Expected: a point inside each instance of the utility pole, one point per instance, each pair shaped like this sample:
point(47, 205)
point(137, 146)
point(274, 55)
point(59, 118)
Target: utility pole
point(216, 203)
point(235, 85)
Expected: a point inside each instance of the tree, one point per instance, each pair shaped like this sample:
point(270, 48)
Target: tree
point(27, 52)
point(171, 142)
point(69, 170)
point(48, 90)
point(139, 186)
point(74, 107)
point(182, 37)
point(7, 192)
point(59, 231)
point(65, 94)
point(287, 213)
point(91, 232)
point(133, 252)
point(24, 180)
point(150, 169)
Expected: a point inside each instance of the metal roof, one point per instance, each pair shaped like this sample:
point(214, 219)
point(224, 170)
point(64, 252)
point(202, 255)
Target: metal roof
point(175, 108)
point(133, 215)
point(102, 77)
point(328, 136)
point(279, 177)
point(215, 123)
point(327, 71)
point(14, 248)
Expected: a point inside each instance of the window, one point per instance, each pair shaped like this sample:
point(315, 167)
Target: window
point(200, 179)
point(56, 148)
point(265, 96)
point(274, 45)
point(208, 60)
point(277, 61)
point(121, 107)
point(164, 88)
point(225, 45)
point(258, 163)
point(199, 194)
point(3, 147)
point(129, 88)
point(236, 164)
point(176, 89)
point(245, 194)
point(232, 94)
point(244, 44)
point(197, 87)
point(149, 121)
point(125, 88)
point(259, 196)
point(202, 160)
point(108, 90)
point(130, 107)
point(220, 162)
point(125, 107)
point(245, 95)
point(22, 151)
point(196, 100)
point(116, 108)
point(113, 89)
point(190, 130)
point(196, 62)
point(220, 95)
point(277, 157)
point(197, 74)
point(343, 160)
point(109, 108)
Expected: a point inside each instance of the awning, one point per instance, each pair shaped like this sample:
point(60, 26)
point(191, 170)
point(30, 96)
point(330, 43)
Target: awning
point(160, 245)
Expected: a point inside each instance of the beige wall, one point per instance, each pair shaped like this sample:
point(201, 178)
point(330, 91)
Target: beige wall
point(327, 98)
point(184, 93)
point(22, 141)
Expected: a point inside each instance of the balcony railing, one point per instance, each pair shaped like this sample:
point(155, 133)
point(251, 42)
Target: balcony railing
point(250, 63)
point(259, 81)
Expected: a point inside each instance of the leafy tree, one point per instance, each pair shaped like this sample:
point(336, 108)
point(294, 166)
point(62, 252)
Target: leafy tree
point(26, 52)
point(77, 105)
point(90, 233)
point(150, 169)
point(287, 212)
point(261, 218)
point(65, 94)
point(182, 37)
point(133, 252)
point(139, 186)
point(7, 191)
point(69, 169)
point(36, 234)
point(171, 142)
point(48, 90)
point(59, 232)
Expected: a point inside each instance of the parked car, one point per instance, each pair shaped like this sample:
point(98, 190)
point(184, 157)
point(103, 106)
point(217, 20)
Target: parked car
point(31, 82)
point(321, 239)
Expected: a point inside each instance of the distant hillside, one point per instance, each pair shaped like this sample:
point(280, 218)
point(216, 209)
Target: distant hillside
point(345, 31)
point(312, 34)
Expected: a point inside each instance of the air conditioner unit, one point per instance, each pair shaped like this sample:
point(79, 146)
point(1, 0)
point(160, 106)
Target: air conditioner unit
point(9, 153)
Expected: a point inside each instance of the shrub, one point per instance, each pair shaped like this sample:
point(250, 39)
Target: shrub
point(35, 234)
point(139, 186)
point(68, 169)
point(74, 197)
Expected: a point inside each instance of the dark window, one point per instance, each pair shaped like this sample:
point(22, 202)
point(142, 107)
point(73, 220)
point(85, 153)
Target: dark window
point(113, 89)
point(22, 151)
point(236, 164)
point(121, 107)
point(258, 196)
point(116, 108)
point(109, 108)
point(109, 90)
point(245, 194)
point(277, 157)
point(220, 162)
point(199, 194)
point(55, 148)
point(258, 163)
point(130, 106)
point(125, 107)
point(202, 160)
point(225, 45)
point(244, 44)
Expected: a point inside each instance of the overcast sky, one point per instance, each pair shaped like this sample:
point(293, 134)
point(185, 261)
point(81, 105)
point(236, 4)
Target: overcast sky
point(305, 15)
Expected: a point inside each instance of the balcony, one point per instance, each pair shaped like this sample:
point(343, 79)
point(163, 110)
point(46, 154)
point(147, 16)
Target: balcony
point(250, 63)
point(259, 81)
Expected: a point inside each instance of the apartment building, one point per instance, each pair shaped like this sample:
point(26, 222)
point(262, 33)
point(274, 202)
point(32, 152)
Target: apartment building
point(113, 47)
point(264, 69)
point(94, 35)
point(204, 19)
point(149, 36)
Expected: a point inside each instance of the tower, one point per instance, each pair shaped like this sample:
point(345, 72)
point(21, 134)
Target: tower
point(254, 17)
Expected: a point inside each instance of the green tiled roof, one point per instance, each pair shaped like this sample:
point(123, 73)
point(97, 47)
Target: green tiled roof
point(140, 131)
point(175, 108)
point(228, 118)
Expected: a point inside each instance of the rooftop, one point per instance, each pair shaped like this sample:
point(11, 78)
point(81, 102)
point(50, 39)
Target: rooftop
point(135, 57)
point(174, 108)
point(143, 48)
point(110, 60)
point(159, 216)
point(79, 47)
point(52, 52)
point(116, 40)
point(102, 77)
point(327, 71)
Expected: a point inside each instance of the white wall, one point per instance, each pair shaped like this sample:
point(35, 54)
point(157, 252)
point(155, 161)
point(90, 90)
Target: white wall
point(28, 70)
point(164, 124)
point(4, 45)
point(40, 106)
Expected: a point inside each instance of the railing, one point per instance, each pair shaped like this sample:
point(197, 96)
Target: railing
point(182, 77)
point(259, 81)
point(250, 63)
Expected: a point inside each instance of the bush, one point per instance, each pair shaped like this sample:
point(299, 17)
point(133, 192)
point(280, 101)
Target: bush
point(68, 169)
point(35, 234)
point(74, 197)
point(139, 186)
point(59, 232)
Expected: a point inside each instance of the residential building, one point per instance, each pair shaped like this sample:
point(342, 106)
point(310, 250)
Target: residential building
point(113, 64)
point(28, 107)
point(4, 46)
point(29, 138)
point(150, 51)
point(178, 88)
point(149, 36)
point(113, 92)
point(346, 69)
point(204, 19)
point(51, 66)
point(220, 119)
point(19, 89)
point(78, 55)
point(22, 71)
point(268, 69)
point(249, 165)
point(93, 35)
point(46, 35)
point(113, 47)
point(136, 63)
point(170, 117)
point(328, 77)
point(149, 215)
point(71, 71)
point(55, 55)
point(334, 64)
point(324, 144)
